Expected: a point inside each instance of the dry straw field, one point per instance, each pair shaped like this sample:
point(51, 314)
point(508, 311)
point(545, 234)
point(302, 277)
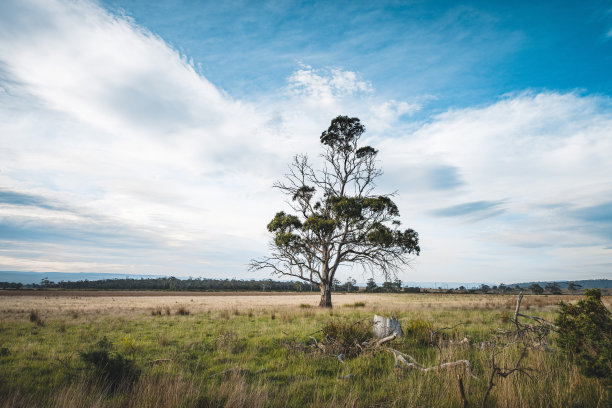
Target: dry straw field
point(164, 349)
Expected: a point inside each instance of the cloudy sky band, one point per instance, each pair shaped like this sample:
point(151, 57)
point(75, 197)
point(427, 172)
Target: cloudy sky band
point(154, 133)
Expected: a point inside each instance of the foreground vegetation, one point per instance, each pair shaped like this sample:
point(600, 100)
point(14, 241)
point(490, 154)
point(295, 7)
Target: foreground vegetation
point(191, 353)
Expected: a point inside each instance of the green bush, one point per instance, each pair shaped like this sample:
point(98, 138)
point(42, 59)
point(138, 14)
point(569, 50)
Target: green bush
point(418, 331)
point(110, 366)
point(355, 305)
point(585, 335)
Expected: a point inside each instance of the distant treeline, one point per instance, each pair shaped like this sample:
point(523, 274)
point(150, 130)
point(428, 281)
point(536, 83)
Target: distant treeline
point(172, 283)
point(201, 284)
point(269, 285)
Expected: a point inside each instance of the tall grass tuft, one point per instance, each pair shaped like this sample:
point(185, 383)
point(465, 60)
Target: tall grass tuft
point(346, 338)
point(355, 305)
point(35, 317)
point(182, 311)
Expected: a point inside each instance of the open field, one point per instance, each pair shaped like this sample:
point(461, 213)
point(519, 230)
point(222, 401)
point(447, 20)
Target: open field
point(209, 349)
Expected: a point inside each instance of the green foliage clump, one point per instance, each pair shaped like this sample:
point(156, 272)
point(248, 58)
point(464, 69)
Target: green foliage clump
point(110, 366)
point(585, 335)
point(355, 305)
point(346, 337)
point(418, 331)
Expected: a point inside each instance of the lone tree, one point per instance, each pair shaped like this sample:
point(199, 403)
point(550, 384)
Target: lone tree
point(337, 219)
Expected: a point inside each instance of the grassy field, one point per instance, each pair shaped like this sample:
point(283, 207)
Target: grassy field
point(209, 350)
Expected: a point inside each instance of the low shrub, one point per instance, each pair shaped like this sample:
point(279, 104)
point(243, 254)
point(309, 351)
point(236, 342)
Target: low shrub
point(418, 331)
point(183, 311)
point(585, 335)
point(346, 337)
point(109, 366)
point(35, 317)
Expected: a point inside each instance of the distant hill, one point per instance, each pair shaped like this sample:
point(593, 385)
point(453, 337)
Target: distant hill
point(586, 284)
point(35, 277)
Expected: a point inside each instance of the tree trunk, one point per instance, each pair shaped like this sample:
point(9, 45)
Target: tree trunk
point(325, 295)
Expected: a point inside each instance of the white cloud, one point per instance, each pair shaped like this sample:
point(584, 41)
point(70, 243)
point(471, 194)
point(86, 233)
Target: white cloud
point(105, 116)
point(324, 86)
point(535, 156)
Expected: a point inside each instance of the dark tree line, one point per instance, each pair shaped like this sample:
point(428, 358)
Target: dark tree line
point(172, 283)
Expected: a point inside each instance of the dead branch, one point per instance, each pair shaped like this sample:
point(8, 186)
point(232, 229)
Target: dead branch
point(494, 370)
point(538, 333)
point(516, 312)
point(446, 365)
point(436, 343)
point(432, 334)
point(317, 345)
point(402, 356)
point(386, 339)
point(540, 320)
point(399, 359)
point(464, 401)
point(504, 372)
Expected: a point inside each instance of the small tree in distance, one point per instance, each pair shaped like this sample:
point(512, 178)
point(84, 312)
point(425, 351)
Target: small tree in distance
point(537, 289)
point(371, 285)
point(553, 288)
point(337, 220)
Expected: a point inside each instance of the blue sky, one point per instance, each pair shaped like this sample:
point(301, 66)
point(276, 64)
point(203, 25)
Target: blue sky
point(144, 137)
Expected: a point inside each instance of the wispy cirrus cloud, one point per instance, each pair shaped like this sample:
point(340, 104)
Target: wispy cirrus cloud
point(21, 199)
point(478, 209)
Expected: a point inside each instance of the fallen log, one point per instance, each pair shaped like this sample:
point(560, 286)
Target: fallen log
point(399, 359)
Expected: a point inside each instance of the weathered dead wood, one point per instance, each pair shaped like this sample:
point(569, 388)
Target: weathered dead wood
point(517, 313)
point(540, 320)
point(490, 386)
point(538, 332)
point(384, 327)
point(386, 339)
point(317, 344)
point(504, 372)
point(433, 333)
point(464, 401)
point(432, 338)
point(467, 364)
point(399, 359)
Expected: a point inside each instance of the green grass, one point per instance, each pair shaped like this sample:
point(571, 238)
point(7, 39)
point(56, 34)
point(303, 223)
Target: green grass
point(264, 358)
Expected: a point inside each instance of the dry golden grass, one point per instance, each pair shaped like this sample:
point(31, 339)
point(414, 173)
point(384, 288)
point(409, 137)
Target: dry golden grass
point(68, 304)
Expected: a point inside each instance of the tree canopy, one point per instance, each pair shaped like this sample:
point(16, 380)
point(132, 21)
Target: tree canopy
point(336, 218)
